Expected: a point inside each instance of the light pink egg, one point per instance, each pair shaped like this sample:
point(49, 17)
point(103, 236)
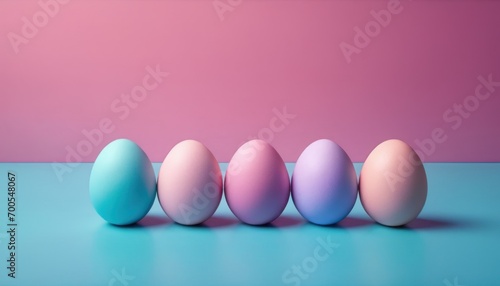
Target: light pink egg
point(257, 185)
point(393, 184)
point(189, 183)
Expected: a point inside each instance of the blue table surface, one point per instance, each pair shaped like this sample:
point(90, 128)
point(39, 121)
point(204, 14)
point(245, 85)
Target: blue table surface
point(62, 241)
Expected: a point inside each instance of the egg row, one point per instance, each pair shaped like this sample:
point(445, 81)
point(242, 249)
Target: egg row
point(324, 185)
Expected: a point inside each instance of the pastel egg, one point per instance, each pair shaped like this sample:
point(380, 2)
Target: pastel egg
point(324, 183)
point(257, 185)
point(393, 184)
point(122, 183)
point(189, 183)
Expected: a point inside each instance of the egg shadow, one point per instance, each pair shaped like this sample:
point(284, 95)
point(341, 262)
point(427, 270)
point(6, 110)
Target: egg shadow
point(351, 222)
point(216, 222)
point(146, 222)
point(283, 221)
point(154, 220)
point(432, 223)
point(348, 222)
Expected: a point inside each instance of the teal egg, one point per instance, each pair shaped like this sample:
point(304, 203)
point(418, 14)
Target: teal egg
point(122, 183)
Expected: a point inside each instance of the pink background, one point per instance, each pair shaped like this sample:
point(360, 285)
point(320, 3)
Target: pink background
point(226, 77)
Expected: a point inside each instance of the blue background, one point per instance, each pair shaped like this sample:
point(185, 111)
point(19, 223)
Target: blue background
point(62, 241)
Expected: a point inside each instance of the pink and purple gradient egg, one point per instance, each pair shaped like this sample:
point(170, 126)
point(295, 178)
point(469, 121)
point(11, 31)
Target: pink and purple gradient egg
point(257, 185)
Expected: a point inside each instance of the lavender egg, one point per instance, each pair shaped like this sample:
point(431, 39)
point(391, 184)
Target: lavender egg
point(324, 183)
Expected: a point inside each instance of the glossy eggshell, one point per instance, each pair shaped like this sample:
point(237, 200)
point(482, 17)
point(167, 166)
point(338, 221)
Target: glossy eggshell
point(189, 183)
point(257, 185)
point(122, 183)
point(393, 184)
point(324, 183)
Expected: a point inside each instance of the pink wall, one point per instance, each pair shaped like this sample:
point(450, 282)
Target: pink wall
point(227, 75)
